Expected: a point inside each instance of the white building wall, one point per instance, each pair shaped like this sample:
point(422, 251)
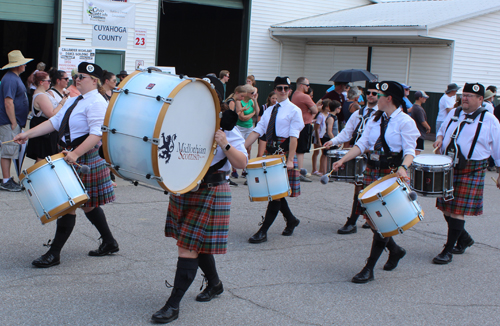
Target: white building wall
point(476, 49)
point(146, 17)
point(264, 53)
point(390, 63)
point(430, 68)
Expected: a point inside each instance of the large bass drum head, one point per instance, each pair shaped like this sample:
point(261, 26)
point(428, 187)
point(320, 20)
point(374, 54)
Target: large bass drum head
point(186, 136)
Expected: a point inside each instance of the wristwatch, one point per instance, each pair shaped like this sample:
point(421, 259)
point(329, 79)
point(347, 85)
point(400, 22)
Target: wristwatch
point(227, 147)
point(404, 167)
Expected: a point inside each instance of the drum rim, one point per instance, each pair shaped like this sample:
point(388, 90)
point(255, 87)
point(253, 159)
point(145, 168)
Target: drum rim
point(266, 198)
point(252, 164)
point(386, 192)
point(64, 208)
point(405, 227)
point(415, 163)
point(39, 164)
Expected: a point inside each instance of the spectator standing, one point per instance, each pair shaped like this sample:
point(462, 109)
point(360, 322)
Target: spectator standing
point(122, 75)
point(13, 114)
point(418, 114)
point(309, 109)
point(407, 93)
point(73, 91)
point(446, 104)
point(224, 78)
point(336, 95)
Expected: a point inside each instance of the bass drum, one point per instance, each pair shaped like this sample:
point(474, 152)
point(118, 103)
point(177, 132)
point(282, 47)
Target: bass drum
point(159, 130)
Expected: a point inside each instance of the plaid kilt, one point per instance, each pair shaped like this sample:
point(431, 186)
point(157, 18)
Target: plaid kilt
point(468, 189)
point(199, 220)
point(293, 175)
point(370, 176)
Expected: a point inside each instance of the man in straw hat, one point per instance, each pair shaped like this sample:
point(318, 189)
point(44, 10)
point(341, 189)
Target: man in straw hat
point(13, 114)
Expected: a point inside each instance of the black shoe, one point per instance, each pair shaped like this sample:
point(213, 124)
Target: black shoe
point(258, 237)
point(210, 292)
point(165, 315)
point(288, 231)
point(47, 260)
point(105, 249)
point(462, 245)
point(366, 275)
point(394, 259)
point(232, 183)
point(366, 226)
point(443, 258)
point(347, 229)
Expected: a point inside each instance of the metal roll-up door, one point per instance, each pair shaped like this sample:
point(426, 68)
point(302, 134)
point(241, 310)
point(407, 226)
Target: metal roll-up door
point(31, 11)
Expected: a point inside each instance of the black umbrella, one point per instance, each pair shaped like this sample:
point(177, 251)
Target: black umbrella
point(352, 75)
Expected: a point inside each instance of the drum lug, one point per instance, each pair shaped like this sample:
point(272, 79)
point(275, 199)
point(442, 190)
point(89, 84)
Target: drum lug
point(420, 216)
point(104, 128)
point(159, 179)
point(381, 198)
point(49, 160)
point(400, 230)
point(71, 202)
point(166, 100)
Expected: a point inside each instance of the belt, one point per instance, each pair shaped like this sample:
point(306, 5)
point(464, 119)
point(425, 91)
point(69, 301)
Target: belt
point(378, 164)
point(213, 180)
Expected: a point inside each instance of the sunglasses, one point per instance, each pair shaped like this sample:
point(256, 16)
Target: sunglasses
point(282, 88)
point(307, 85)
point(65, 78)
point(381, 95)
point(372, 93)
point(80, 76)
point(46, 80)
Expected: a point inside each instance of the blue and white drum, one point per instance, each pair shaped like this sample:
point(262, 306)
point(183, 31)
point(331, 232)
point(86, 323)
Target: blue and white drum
point(267, 178)
point(53, 188)
point(159, 130)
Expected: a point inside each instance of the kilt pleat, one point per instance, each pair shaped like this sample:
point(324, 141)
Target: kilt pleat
point(468, 185)
point(199, 220)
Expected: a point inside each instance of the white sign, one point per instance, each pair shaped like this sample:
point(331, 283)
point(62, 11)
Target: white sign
point(139, 63)
point(109, 36)
point(109, 13)
point(70, 58)
point(140, 38)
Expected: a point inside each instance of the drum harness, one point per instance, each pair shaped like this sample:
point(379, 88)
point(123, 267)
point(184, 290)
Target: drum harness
point(358, 131)
point(391, 160)
point(453, 149)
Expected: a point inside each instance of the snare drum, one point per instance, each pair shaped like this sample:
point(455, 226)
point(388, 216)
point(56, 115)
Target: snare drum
point(159, 129)
point(53, 188)
point(432, 175)
point(389, 206)
point(351, 171)
point(267, 178)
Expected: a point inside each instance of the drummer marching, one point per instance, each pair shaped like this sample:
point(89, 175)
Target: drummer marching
point(348, 136)
point(389, 138)
point(281, 124)
point(469, 134)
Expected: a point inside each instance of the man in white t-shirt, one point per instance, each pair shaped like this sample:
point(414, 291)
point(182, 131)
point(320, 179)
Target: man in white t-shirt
point(446, 104)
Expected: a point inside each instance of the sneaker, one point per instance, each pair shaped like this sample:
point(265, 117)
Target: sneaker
point(234, 174)
point(304, 179)
point(317, 173)
point(232, 183)
point(11, 185)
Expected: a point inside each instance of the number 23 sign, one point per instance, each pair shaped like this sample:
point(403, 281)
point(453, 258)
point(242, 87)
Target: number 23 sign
point(140, 39)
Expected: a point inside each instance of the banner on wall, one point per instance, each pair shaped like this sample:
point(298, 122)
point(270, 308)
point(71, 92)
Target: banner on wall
point(112, 13)
point(109, 36)
point(70, 58)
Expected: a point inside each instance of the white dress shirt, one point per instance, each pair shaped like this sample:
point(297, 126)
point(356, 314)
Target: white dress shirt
point(87, 117)
point(488, 143)
point(346, 133)
point(445, 102)
point(401, 134)
point(289, 122)
point(237, 141)
point(489, 107)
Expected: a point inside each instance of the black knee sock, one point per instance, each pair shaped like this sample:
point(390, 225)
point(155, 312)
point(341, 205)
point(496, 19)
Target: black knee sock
point(98, 219)
point(285, 210)
point(272, 211)
point(392, 246)
point(184, 276)
point(206, 262)
point(455, 228)
point(378, 246)
point(351, 220)
point(65, 226)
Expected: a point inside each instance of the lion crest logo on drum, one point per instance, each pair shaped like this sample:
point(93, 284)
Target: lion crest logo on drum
point(166, 149)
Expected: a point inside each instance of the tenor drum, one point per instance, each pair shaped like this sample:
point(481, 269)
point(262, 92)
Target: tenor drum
point(351, 171)
point(432, 175)
point(159, 130)
point(267, 178)
point(389, 205)
point(53, 188)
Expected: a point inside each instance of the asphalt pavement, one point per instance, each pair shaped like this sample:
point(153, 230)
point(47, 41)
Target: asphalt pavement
point(299, 280)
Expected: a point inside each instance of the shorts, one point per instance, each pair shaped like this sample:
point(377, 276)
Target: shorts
point(9, 150)
point(420, 144)
point(244, 131)
point(305, 138)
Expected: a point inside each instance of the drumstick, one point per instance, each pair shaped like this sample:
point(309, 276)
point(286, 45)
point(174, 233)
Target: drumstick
point(435, 149)
point(85, 168)
point(317, 149)
point(494, 180)
point(325, 178)
point(8, 141)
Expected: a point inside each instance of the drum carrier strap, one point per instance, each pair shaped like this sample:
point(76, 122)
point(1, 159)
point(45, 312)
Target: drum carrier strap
point(453, 149)
point(214, 177)
point(72, 144)
point(358, 131)
point(393, 160)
